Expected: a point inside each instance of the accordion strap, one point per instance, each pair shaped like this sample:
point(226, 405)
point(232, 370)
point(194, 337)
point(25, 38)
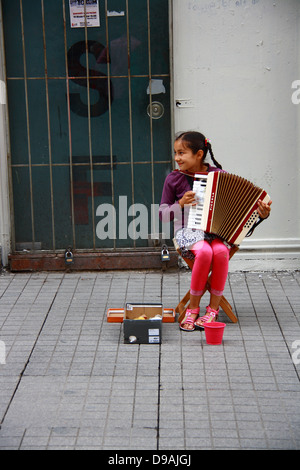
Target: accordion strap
point(260, 220)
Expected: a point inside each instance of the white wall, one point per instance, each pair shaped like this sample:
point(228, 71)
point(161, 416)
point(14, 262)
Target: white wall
point(236, 60)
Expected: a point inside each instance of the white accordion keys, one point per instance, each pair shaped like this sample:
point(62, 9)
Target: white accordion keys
point(196, 211)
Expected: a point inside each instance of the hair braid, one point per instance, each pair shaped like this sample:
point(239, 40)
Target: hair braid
point(212, 156)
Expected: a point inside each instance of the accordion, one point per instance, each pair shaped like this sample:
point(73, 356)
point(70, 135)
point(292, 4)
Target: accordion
point(226, 205)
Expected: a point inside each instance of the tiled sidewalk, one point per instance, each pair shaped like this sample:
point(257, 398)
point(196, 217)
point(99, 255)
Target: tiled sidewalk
point(69, 381)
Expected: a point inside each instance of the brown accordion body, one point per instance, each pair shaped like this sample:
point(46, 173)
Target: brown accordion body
point(227, 205)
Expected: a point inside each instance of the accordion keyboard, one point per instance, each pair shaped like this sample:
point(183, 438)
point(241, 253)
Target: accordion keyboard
point(196, 211)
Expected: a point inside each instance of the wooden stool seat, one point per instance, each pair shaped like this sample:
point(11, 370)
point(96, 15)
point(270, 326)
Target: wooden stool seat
point(224, 304)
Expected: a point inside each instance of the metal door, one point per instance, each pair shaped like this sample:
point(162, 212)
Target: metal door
point(89, 114)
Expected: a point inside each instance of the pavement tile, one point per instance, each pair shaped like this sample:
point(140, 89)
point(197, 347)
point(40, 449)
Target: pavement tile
point(70, 382)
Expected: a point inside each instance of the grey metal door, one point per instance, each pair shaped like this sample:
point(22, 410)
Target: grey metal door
point(89, 113)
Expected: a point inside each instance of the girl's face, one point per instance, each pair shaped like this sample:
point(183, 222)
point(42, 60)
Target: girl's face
point(186, 159)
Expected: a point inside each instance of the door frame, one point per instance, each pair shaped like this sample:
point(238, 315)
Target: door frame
point(6, 205)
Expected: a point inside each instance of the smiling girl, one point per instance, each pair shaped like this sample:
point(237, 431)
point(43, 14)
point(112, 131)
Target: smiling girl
point(208, 251)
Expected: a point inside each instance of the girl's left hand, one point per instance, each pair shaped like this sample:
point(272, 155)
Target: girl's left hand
point(264, 209)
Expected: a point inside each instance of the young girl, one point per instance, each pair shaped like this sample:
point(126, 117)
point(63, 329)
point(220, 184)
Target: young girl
point(208, 251)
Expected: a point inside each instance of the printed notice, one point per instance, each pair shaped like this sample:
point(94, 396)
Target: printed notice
point(153, 335)
point(154, 339)
point(153, 332)
point(84, 12)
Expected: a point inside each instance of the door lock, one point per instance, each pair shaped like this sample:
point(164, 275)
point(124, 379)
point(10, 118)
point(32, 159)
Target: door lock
point(165, 255)
point(69, 258)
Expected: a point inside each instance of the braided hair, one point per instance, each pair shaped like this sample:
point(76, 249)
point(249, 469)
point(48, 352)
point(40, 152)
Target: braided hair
point(197, 141)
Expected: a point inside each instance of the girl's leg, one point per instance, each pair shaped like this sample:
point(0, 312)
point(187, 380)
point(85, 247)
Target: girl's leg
point(203, 257)
point(219, 274)
point(220, 261)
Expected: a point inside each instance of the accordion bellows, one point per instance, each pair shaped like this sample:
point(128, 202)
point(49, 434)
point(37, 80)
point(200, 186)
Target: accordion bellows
point(227, 205)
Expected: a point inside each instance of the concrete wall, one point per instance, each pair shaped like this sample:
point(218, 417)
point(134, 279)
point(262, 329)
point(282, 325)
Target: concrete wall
point(235, 62)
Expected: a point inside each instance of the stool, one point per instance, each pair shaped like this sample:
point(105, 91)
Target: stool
point(224, 304)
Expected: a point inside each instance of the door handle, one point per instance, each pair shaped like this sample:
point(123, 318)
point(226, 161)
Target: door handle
point(184, 103)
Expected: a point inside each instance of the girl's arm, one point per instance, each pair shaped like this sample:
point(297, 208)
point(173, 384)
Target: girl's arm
point(263, 210)
point(169, 206)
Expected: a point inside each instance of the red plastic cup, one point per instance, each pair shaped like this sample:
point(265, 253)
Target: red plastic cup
point(214, 332)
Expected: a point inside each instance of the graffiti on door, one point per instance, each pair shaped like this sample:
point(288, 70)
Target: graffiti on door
point(97, 79)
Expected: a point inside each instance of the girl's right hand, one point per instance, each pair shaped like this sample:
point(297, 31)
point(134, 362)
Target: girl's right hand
point(187, 199)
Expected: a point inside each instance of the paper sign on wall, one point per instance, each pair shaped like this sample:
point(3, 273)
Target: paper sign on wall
point(78, 10)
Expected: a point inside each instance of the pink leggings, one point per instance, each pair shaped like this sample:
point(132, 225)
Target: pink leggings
point(214, 254)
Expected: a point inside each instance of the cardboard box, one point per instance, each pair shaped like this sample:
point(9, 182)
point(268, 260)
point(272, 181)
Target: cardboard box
point(168, 315)
point(116, 315)
point(142, 331)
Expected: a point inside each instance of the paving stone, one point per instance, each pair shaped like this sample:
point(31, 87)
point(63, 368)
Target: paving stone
point(70, 382)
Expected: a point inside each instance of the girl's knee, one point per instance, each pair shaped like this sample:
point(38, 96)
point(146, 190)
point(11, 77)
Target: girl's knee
point(202, 250)
point(204, 255)
point(219, 249)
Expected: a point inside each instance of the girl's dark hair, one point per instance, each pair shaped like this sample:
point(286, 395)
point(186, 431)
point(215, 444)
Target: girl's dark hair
point(197, 141)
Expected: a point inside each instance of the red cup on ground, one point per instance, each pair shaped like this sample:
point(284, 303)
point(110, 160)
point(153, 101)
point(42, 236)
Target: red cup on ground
point(214, 332)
